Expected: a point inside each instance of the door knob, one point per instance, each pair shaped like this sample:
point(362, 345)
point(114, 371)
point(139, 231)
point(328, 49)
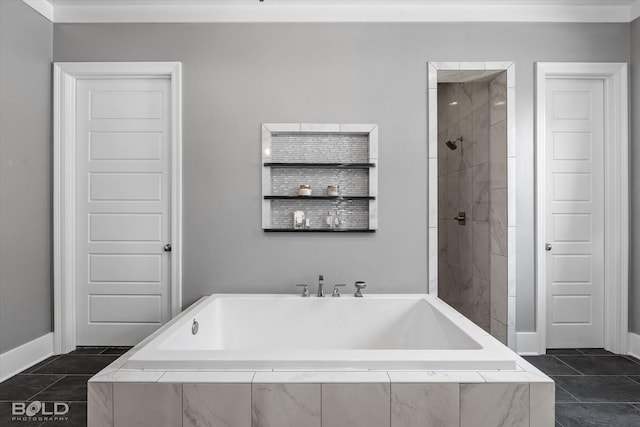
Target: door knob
point(548, 247)
point(167, 247)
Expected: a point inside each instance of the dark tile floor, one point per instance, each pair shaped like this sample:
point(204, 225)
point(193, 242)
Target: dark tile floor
point(57, 379)
point(594, 388)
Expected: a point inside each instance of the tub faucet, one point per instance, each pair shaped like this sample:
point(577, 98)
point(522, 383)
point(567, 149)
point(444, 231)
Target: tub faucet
point(359, 287)
point(305, 291)
point(321, 286)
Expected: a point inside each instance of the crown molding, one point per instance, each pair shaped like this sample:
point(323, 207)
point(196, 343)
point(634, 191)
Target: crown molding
point(332, 12)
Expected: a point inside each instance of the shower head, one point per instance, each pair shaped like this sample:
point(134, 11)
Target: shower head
point(452, 144)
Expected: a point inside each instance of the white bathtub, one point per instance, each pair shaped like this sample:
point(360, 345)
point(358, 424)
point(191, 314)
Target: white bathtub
point(288, 332)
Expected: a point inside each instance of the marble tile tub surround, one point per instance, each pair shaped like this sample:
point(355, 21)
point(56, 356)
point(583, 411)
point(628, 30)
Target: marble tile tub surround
point(366, 399)
point(117, 396)
point(472, 259)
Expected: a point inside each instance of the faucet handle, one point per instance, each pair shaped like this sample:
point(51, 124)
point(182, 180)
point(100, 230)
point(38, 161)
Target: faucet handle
point(336, 291)
point(359, 286)
point(305, 291)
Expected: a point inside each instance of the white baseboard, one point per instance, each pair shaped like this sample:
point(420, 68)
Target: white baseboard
point(527, 343)
point(20, 358)
point(634, 345)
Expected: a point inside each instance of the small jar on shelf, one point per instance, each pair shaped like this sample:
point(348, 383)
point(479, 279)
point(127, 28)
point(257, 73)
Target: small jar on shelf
point(304, 190)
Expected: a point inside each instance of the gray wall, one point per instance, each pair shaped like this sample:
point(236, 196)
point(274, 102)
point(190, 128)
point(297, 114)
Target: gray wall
point(26, 51)
point(634, 238)
point(237, 76)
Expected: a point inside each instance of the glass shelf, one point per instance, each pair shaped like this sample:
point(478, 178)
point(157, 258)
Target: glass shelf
point(322, 165)
point(318, 230)
point(320, 197)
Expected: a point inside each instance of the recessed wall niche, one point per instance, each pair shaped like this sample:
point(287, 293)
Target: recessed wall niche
point(319, 177)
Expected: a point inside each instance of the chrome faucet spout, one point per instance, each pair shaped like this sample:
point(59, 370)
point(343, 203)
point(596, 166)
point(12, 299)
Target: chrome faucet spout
point(321, 286)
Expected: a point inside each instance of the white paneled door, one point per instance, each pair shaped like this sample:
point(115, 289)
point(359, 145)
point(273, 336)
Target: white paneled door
point(574, 213)
point(123, 209)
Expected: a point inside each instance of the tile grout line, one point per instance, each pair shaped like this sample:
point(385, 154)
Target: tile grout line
point(49, 386)
point(566, 391)
point(567, 364)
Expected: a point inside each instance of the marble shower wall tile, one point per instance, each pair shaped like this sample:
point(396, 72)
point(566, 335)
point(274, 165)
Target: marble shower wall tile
point(480, 95)
point(466, 296)
point(442, 197)
point(466, 240)
point(480, 255)
point(285, 405)
point(465, 191)
point(498, 98)
point(481, 135)
point(147, 404)
point(453, 195)
point(444, 283)
point(480, 191)
point(100, 404)
point(454, 157)
point(498, 330)
point(356, 405)
point(491, 405)
point(419, 404)
point(498, 156)
point(499, 288)
point(465, 101)
point(453, 243)
point(452, 105)
point(482, 313)
point(498, 221)
point(466, 146)
point(216, 404)
point(542, 404)
point(443, 241)
point(442, 161)
point(443, 95)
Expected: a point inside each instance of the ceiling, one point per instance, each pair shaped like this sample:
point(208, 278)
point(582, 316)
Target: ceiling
point(115, 3)
point(72, 11)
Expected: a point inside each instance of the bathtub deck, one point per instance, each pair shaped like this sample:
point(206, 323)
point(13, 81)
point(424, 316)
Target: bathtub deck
point(523, 396)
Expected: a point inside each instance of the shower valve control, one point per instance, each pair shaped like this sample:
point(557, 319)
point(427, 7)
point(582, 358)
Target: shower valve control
point(461, 218)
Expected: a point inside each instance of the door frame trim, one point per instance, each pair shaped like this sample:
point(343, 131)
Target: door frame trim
point(616, 189)
point(65, 78)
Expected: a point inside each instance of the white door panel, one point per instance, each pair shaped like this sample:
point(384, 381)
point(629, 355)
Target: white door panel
point(123, 212)
point(575, 213)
